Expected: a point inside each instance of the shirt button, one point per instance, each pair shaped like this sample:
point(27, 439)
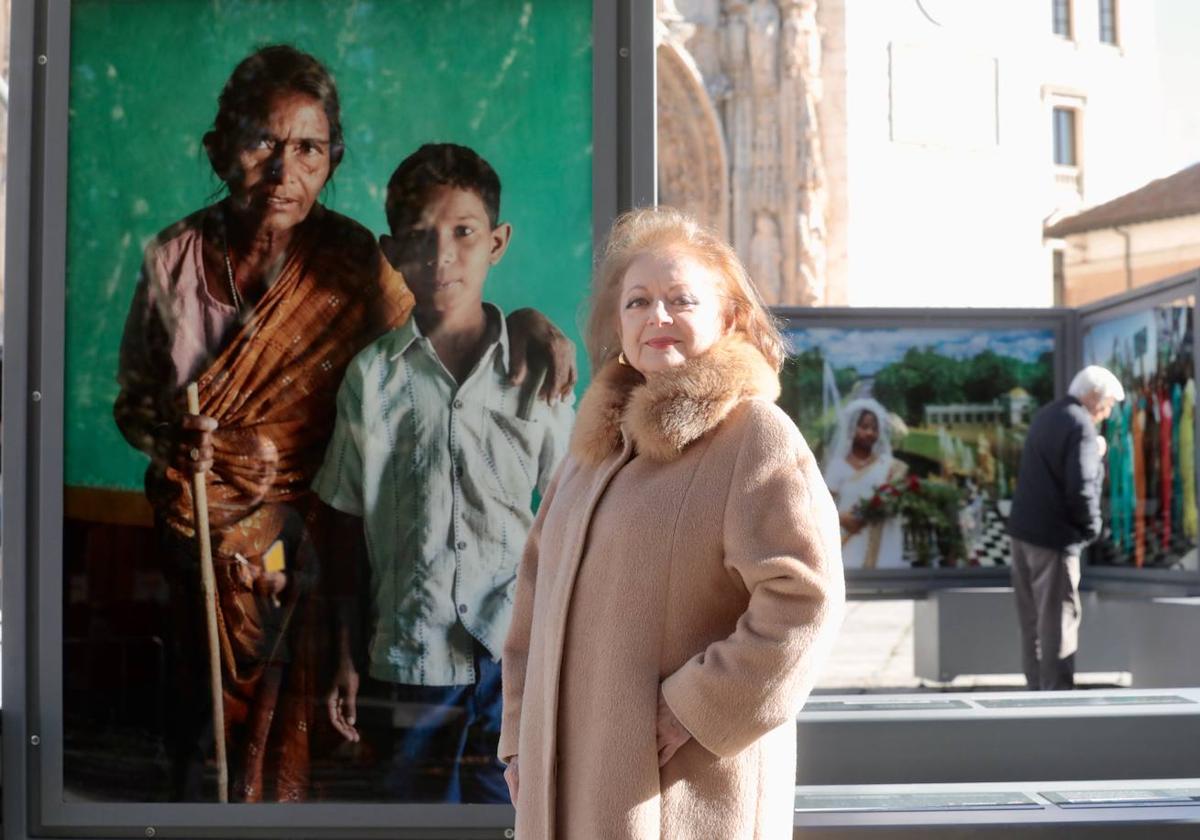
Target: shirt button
point(462, 608)
point(458, 403)
point(462, 546)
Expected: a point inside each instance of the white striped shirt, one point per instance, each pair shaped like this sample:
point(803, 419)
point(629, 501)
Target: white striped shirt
point(443, 476)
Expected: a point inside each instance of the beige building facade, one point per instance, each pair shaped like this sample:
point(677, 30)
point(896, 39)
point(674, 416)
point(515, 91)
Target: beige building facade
point(1137, 239)
point(903, 152)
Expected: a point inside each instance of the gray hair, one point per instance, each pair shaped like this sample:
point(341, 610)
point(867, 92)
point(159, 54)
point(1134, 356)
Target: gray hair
point(1094, 379)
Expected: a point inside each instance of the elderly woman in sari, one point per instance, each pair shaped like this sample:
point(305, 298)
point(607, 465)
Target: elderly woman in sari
point(860, 461)
point(263, 298)
point(682, 582)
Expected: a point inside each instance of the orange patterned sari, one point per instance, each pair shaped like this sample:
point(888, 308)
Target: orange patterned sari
point(272, 391)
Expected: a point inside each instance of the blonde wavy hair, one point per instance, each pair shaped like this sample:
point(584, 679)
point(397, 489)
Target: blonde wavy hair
point(660, 230)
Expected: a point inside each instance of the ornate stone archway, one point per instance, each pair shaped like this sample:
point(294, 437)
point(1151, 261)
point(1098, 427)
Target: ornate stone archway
point(693, 167)
point(739, 135)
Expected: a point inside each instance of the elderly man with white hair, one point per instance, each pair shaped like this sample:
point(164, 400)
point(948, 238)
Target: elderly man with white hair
point(1055, 513)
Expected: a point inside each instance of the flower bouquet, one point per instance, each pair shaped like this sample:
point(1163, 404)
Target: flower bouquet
point(882, 504)
point(929, 509)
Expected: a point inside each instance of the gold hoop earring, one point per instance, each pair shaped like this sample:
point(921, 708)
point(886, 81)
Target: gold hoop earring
point(621, 359)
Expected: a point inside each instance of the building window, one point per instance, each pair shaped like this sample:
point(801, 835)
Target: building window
point(1062, 18)
point(1064, 137)
point(1108, 21)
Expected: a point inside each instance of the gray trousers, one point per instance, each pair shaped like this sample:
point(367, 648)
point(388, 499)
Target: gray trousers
point(1047, 586)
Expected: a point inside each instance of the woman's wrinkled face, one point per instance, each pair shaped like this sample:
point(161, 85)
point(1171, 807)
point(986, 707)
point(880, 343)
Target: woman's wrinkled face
point(286, 164)
point(866, 431)
point(672, 310)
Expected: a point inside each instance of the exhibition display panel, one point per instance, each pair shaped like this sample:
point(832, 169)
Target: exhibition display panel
point(1150, 513)
point(955, 390)
point(175, 673)
point(193, 652)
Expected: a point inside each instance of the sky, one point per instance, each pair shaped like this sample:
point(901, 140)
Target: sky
point(868, 350)
point(1178, 32)
point(1162, 325)
point(1098, 340)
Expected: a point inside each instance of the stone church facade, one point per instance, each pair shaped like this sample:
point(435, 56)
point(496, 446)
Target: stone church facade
point(743, 132)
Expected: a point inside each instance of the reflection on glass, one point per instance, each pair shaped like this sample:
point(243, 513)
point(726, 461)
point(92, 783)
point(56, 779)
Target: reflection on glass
point(1149, 503)
point(370, 468)
point(919, 431)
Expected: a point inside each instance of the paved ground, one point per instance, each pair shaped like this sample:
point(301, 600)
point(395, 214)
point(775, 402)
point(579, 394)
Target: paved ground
point(874, 654)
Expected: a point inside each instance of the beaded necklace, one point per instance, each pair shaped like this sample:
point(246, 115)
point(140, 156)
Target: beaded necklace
point(233, 289)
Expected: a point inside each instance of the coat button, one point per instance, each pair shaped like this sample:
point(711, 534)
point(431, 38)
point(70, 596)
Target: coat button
point(458, 403)
point(462, 609)
point(462, 546)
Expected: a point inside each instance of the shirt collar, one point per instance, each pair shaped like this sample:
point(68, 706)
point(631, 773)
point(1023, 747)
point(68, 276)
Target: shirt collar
point(497, 333)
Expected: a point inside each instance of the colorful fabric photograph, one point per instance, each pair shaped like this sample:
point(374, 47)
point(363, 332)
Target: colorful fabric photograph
point(1149, 504)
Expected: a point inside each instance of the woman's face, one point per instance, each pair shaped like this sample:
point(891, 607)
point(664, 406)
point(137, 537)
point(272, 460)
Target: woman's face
point(671, 311)
point(866, 431)
point(286, 166)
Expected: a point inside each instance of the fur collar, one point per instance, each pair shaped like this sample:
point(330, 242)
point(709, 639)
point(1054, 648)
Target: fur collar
point(667, 413)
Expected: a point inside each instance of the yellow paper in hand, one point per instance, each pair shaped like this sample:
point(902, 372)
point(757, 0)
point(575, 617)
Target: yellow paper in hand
point(275, 560)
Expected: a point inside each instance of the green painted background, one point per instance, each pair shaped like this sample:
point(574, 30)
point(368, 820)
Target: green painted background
point(511, 79)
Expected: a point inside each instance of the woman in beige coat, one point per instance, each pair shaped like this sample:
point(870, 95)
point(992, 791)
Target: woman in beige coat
point(683, 580)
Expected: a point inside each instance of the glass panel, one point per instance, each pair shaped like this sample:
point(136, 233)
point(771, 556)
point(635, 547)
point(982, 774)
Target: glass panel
point(207, 242)
point(1064, 136)
point(891, 706)
point(1111, 700)
point(1149, 503)
point(1122, 797)
point(1108, 21)
point(964, 801)
point(1062, 18)
point(919, 431)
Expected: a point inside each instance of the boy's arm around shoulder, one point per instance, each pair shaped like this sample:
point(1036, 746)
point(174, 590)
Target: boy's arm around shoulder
point(538, 347)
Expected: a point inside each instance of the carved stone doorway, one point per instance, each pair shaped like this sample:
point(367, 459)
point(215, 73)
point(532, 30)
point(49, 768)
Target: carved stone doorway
point(693, 167)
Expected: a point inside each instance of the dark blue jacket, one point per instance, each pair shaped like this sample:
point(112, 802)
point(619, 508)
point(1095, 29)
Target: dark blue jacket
point(1057, 502)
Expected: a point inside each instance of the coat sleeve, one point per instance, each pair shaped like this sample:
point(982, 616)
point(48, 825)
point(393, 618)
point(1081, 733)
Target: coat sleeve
point(1084, 479)
point(782, 540)
point(515, 656)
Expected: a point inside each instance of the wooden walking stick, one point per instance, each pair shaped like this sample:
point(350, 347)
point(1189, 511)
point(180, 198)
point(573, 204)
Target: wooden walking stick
point(208, 581)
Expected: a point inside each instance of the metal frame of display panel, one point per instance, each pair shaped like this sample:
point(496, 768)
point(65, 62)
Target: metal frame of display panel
point(624, 124)
point(623, 175)
point(1122, 579)
point(898, 583)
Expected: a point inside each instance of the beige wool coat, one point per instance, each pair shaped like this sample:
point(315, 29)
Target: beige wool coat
point(688, 542)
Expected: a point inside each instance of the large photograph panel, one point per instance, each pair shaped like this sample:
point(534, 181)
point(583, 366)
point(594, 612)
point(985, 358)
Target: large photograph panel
point(1150, 486)
point(919, 432)
point(370, 475)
